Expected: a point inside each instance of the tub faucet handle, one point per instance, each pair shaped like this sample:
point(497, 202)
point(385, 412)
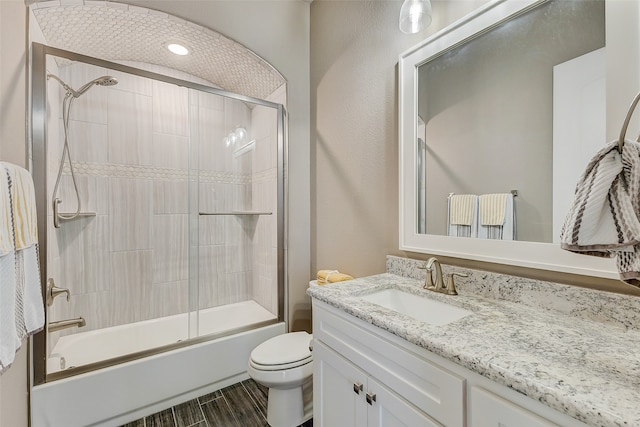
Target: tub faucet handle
point(53, 291)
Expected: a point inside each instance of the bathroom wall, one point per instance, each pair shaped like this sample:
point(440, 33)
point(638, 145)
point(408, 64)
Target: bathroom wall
point(13, 24)
point(131, 149)
point(354, 53)
point(355, 48)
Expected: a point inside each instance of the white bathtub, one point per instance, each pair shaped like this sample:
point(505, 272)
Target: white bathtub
point(84, 348)
point(118, 394)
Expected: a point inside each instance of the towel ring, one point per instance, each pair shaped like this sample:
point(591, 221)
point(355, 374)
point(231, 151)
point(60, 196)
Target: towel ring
point(625, 125)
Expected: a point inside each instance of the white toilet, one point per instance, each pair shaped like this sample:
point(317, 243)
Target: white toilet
point(285, 365)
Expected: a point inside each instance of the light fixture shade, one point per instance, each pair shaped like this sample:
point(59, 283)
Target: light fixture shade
point(415, 15)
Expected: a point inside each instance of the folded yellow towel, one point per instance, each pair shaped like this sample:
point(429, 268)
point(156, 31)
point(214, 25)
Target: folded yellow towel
point(331, 276)
point(461, 209)
point(493, 208)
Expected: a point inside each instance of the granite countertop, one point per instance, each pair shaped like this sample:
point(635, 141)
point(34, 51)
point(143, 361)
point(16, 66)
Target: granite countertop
point(587, 369)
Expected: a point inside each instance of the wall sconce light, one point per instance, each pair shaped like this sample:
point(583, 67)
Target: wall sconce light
point(415, 15)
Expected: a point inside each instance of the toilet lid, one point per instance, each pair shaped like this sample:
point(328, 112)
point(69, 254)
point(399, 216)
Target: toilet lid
point(283, 349)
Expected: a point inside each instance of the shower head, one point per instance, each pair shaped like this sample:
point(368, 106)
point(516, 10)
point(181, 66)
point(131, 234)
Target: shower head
point(100, 81)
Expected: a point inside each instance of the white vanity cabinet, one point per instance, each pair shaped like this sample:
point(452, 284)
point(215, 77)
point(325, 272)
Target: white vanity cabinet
point(408, 390)
point(365, 376)
point(348, 397)
point(489, 410)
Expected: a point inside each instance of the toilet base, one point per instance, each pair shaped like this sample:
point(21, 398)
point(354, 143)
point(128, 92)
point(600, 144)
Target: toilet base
point(290, 407)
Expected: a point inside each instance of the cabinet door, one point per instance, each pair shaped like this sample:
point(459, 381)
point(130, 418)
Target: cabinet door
point(489, 410)
point(338, 390)
point(387, 409)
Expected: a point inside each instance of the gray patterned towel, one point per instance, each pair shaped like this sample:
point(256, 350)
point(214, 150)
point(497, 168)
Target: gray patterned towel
point(604, 217)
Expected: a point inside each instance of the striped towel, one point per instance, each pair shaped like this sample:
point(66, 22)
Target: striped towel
point(461, 209)
point(604, 217)
point(23, 206)
point(492, 208)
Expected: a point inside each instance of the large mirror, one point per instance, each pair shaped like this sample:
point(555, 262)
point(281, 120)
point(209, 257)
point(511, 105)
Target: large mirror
point(510, 101)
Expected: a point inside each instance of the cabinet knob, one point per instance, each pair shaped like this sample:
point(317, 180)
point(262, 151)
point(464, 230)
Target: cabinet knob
point(371, 397)
point(357, 388)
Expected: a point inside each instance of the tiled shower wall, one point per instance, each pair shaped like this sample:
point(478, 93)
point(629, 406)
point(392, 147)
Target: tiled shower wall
point(130, 147)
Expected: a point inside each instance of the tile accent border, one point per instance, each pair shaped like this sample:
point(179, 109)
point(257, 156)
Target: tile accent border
point(113, 170)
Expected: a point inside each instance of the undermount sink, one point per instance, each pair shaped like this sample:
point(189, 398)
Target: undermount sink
point(424, 309)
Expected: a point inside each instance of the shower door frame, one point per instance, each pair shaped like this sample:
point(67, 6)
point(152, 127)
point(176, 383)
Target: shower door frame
point(38, 149)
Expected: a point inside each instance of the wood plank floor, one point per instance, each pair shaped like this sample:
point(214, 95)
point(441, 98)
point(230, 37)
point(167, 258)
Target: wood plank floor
point(240, 405)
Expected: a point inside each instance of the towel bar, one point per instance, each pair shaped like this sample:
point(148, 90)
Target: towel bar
point(514, 192)
point(625, 125)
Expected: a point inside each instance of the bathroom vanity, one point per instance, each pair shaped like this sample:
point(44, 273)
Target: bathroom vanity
point(504, 364)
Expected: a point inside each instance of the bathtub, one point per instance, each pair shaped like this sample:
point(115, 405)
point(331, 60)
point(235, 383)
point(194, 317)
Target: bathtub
point(117, 394)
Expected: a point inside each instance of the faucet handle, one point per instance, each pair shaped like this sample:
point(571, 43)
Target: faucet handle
point(428, 280)
point(451, 286)
point(53, 291)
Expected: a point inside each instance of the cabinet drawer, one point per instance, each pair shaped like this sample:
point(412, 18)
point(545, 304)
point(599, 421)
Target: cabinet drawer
point(489, 410)
point(432, 389)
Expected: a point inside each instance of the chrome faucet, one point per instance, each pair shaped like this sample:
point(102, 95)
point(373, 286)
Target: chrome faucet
point(68, 323)
point(439, 286)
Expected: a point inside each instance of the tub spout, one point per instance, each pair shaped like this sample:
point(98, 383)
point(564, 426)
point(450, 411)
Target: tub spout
point(68, 323)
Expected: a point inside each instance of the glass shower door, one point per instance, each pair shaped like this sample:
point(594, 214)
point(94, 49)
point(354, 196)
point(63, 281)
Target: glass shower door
point(160, 205)
point(237, 206)
point(118, 228)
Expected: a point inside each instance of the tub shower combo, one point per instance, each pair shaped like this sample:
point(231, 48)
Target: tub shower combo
point(161, 209)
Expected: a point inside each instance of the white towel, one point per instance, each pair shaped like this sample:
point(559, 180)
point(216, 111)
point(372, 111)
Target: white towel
point(462, 215)
point(603, 219)
point(21, 305)
point(33, 306)
point(9, 341)
point(496, 216)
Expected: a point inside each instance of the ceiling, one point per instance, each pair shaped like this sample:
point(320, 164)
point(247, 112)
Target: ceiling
point(121, 32)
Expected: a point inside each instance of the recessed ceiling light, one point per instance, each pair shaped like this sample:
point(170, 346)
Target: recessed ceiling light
point(178, 49)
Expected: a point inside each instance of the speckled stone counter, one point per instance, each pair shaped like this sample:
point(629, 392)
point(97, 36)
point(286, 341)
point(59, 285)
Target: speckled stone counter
point(575, 350)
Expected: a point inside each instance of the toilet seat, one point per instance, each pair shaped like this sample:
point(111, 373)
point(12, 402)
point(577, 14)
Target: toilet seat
point(285, 351)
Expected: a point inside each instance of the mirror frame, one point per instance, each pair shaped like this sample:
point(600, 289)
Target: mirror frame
point(544, 256)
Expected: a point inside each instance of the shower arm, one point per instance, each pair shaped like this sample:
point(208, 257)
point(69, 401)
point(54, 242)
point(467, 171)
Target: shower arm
point(63, 84)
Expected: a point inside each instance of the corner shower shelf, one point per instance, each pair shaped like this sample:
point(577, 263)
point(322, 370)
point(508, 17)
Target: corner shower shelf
point(237, 213)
